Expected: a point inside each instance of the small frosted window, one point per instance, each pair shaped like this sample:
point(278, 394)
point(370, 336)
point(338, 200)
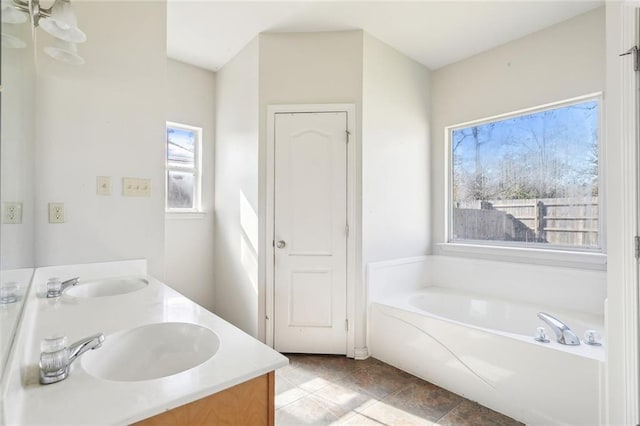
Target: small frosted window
point(529, 179)
point(183, 145)
point(180, 190)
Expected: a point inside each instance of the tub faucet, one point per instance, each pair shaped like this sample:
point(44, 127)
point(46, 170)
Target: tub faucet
point(563, 332)
point(55, 288)
point(54, 366)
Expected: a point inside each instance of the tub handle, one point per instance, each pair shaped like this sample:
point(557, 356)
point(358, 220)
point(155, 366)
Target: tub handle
point(541, 335)
point(592, 337)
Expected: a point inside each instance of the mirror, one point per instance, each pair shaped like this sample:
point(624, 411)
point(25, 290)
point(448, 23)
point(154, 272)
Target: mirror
point(17, 140)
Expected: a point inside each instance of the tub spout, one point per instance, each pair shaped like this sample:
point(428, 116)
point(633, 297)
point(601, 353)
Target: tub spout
point(563, 333)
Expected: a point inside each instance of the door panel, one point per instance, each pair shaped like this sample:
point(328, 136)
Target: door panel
point(310, 232)
point(310, 164)
point(310, 298)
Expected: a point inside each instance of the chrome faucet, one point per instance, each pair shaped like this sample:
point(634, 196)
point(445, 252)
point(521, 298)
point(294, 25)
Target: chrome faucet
point(55, 288)
point(54, 366)
point(563, 332)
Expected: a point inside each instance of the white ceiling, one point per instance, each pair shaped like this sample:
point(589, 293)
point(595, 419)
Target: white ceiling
point(435, 33)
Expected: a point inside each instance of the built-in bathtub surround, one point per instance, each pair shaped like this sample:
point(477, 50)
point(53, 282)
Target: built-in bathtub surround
point(574, 289)
point(131, 322)
point(466, 338)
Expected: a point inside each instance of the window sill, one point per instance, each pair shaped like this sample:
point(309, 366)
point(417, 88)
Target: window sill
point(184, 215)
point(549, 257)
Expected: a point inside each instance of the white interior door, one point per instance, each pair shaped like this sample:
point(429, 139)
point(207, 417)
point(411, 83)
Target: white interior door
point(310, 232)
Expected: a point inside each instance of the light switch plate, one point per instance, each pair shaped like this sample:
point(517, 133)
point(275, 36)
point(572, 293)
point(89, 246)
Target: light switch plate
point(136, 187)
point(103, 185)
point(56, 213)
point(12, 212)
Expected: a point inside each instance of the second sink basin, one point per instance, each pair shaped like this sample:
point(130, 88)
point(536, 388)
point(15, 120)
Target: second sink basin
point(107, 287)
point(151, 352)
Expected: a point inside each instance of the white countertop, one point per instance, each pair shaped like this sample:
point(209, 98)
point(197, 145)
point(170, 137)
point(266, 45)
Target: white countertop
point(84, 399)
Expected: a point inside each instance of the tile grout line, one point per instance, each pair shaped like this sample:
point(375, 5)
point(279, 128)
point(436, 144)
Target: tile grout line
point(457, 405)
point(372, 419)
point(289, 403)
point(310, 393)
point(343, 378)
point(335, 382)
point(341, 374)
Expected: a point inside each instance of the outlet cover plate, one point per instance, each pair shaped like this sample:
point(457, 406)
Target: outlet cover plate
point(56, 213)
point(12, 212)
point(103, 185)
point(136, 187)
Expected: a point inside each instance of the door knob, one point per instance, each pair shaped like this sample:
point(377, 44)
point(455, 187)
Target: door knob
point(281, 244)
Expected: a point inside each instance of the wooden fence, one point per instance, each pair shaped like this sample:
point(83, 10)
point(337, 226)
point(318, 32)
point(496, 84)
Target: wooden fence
point(563, 221)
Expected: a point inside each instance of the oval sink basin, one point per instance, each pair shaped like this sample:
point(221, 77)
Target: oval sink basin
point(151, 352)
point(107, 287)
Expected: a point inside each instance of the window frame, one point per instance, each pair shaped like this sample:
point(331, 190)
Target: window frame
point(196, 170)
point(532, 252)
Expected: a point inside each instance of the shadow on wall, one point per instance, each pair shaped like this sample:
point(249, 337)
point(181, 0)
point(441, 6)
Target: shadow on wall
point(249, 241)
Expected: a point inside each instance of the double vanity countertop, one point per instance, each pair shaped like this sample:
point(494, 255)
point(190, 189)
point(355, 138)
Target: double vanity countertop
point(83, 398)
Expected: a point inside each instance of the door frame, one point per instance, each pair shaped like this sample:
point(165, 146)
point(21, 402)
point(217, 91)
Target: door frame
point(621, 382)
point(631, 222)
point(269, 251)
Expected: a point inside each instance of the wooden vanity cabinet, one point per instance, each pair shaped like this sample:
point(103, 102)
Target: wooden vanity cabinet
point(250, 403)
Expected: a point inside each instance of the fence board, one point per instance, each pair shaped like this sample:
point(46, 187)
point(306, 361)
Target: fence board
point(562, 221)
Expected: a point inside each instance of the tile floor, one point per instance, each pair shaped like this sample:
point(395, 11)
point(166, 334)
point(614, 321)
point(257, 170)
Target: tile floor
point(335, 390)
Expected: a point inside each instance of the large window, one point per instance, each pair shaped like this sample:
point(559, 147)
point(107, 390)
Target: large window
point(183, 147)
point(528, 179)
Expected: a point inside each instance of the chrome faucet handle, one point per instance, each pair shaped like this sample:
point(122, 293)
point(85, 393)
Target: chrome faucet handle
point(562, 331)
point(541, 335)
point(55, 288)
point(56, 357)
point(593, 338)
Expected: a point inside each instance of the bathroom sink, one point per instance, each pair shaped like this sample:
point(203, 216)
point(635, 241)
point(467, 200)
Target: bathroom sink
point(151, 352)
point(107, 287)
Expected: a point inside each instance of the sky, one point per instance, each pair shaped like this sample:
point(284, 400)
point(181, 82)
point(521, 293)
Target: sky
point(180, 146)
point(557, 145)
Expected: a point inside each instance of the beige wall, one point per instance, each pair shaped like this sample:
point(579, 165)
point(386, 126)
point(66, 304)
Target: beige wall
point(236, 190)
point(395, 156)
point(392, 150)
point(105, 118)
point(189, 242)
point(18, 134)
point(561, 62)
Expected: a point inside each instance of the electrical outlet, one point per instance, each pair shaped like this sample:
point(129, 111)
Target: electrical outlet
point(136, 187)
point(12, 213)
point(56, 213)
point(103, 185)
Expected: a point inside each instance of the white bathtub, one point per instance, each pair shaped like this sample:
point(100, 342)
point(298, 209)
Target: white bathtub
point(482, 348)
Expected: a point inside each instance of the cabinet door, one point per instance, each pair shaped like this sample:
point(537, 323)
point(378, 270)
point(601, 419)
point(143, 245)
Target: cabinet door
point(250, 403)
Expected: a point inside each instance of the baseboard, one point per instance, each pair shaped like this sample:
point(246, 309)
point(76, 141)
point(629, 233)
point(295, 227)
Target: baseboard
point(361, 353)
